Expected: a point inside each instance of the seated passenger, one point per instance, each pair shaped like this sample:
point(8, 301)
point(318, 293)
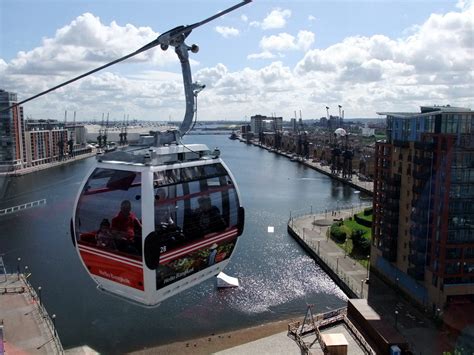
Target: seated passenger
point(162, 213)
point(209, 217)
point(128, 229)
point(104, 236)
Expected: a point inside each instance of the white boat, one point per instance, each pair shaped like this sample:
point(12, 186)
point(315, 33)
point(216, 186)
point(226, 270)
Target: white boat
point(224, 281)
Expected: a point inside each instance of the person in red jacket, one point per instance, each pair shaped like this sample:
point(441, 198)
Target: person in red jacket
point(127, 228)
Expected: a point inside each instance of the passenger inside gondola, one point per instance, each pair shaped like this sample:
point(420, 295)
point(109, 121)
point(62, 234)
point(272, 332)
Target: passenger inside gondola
point(209, 217)
point(104, 237)
point(127, 229)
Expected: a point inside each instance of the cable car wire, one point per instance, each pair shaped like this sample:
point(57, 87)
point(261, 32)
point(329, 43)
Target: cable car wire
point(164, 40)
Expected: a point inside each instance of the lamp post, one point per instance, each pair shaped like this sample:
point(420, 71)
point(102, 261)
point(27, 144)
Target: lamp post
point(396, 319)
point(361, 288)
point(18, 268)
point(39, 294)
point(53, 317)
point(318, 246)
point(337, 265)
point(368, 265)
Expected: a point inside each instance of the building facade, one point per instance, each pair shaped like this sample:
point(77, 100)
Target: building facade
point(423, 230)
point(27, 143)
point(260, 124)
point(12, 138)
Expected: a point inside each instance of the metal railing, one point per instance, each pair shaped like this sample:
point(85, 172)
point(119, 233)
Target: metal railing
point(22, 207)
point(45, 316)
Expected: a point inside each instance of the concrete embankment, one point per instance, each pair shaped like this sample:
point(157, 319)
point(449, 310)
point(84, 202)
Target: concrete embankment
point(32, 169)
point(311, 232)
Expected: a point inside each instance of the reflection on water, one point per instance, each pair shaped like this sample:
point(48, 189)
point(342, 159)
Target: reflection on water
point(277, 278)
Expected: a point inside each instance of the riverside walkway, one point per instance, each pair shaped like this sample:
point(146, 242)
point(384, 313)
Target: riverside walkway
point(26, 326)
point(355, 182)
point(39, 167)
point(312, 232)
point(413, 323)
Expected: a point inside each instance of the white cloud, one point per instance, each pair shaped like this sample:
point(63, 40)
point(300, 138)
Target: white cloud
point(244, 18)
point(311, 18)
point(287, 42)
point(261, 55)
point(87, 43)
point(275, 19)
point(227, 32)
point(432, 64)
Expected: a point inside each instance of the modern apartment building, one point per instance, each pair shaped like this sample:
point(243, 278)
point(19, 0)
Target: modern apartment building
point(27, 143)
point(260, 124)
point(12, 139)
point(424, 205)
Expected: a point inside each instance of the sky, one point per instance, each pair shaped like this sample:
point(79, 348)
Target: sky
point(267, 57)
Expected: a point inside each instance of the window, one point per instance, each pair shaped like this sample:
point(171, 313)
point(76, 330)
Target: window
point(196, 220)
point(108, 214)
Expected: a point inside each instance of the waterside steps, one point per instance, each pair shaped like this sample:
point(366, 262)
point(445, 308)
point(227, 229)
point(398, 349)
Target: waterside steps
point(25, 325)
point(33, 204)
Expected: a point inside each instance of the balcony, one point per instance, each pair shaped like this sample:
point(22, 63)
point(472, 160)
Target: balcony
point(426, 162)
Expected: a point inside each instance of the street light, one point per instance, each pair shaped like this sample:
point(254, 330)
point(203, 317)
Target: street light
point(361, 288)
point(53, 317)
point(39, 294)
point(368, 265)
point(337, 265)
point(396, 319)
point(18, 268)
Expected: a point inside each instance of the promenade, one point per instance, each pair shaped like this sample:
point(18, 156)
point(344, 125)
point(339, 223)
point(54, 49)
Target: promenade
point(32, 169)
point(414, 324)
point(27, 327)
point(354, 181)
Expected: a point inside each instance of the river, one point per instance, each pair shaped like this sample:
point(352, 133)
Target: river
point(277, 278)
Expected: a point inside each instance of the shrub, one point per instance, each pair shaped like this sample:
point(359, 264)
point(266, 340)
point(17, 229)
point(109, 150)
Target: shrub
point(368, 211)
point(338, 234)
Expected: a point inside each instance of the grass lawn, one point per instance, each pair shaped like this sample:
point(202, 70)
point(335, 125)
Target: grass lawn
point(349, 226)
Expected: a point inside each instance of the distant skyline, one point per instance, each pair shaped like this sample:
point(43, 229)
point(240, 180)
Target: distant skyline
point(266, 57)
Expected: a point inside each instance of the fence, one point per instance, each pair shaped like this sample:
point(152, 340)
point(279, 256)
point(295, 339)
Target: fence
point(355, 287)
point(22, 207)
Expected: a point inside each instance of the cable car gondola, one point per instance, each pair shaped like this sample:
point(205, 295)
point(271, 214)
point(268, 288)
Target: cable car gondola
point(154, 220)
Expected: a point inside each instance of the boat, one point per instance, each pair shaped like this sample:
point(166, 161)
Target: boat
point(233, 136)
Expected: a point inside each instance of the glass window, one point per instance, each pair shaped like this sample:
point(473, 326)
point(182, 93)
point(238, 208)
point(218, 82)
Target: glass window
point(108, 214)
point(196, 221)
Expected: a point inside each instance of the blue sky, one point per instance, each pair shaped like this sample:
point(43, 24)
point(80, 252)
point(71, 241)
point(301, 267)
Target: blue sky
point(268, 56)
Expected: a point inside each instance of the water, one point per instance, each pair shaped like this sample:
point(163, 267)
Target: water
point(277, 279)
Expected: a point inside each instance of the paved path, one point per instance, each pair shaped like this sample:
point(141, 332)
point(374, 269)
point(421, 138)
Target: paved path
point(313, 230)
point(27, 328)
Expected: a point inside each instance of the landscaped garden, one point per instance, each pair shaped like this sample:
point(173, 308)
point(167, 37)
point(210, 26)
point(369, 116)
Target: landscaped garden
point(354, 235)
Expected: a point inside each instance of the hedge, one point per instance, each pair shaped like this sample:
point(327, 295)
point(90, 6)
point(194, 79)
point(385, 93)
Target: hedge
point(362, 221)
